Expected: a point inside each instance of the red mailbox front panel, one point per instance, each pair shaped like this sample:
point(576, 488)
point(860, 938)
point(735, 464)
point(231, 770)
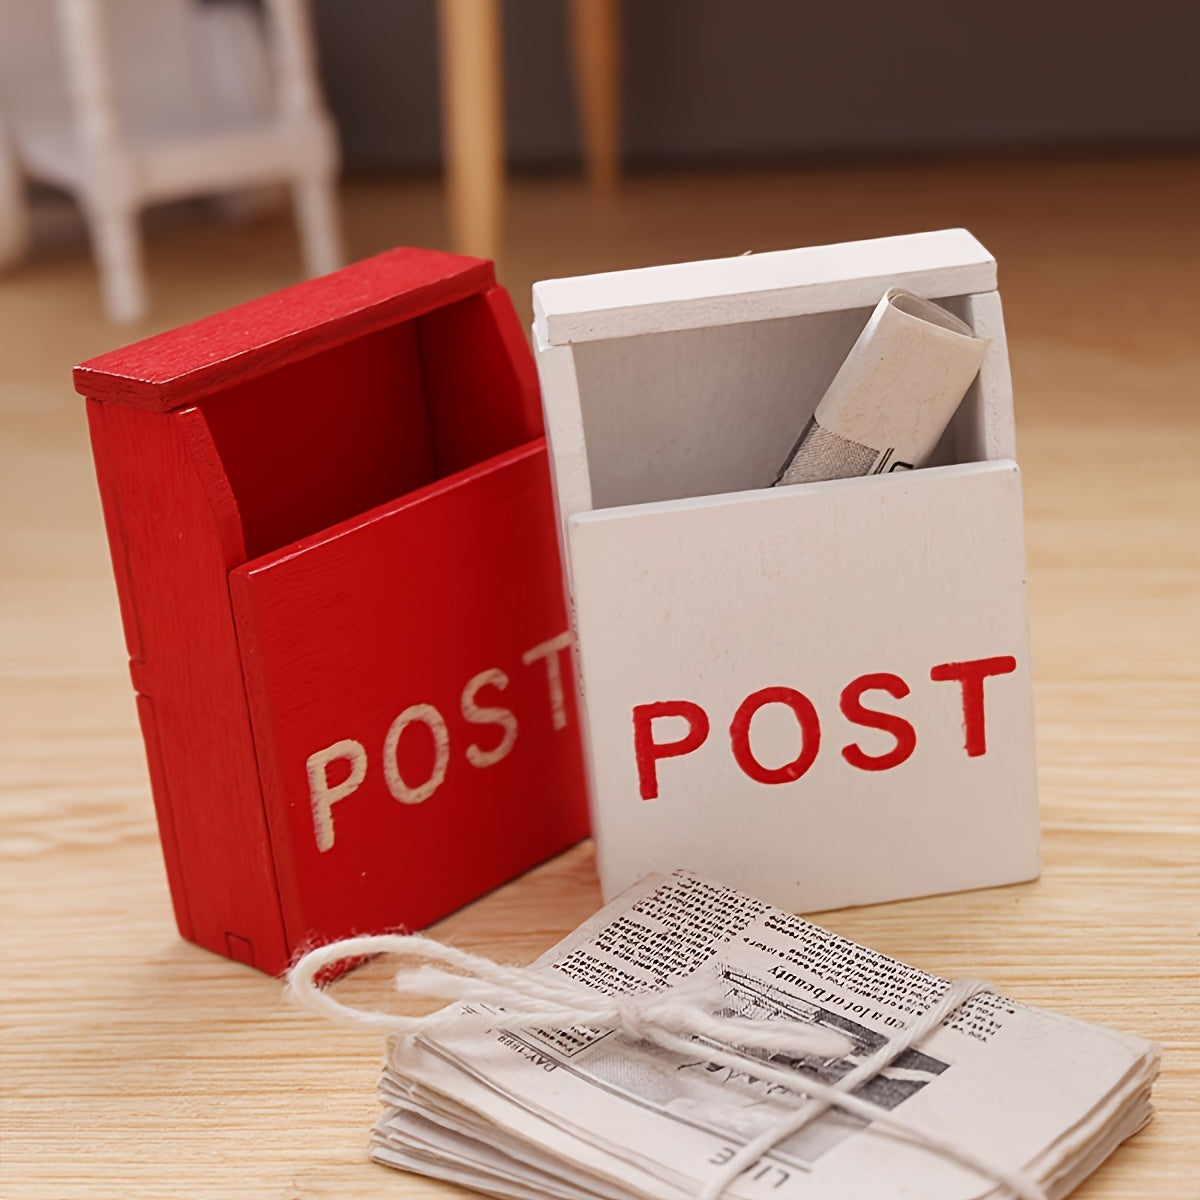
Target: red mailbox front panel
point(412, 700)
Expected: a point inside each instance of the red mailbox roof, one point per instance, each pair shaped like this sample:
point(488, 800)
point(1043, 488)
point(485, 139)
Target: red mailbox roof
point(178, 367)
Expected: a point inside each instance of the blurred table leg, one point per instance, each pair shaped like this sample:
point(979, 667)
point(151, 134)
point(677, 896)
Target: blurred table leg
point(472, 123)
point(14, 215)
point(596, 43)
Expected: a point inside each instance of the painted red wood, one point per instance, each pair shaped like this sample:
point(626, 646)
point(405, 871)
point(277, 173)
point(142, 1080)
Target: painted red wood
point(173, 535)
point(363, 453)
point(180, 366)
point(454, 587)
point(316, 441)
point(465, 430)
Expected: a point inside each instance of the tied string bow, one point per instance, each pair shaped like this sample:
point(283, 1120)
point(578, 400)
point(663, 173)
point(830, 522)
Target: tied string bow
point(530, 999)
point(673, 1020)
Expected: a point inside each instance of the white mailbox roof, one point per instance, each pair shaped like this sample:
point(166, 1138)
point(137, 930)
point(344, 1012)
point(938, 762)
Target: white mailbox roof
point(756, 287)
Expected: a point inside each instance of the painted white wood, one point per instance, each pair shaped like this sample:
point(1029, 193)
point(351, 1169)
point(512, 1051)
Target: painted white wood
point(691, 412)
point(708, 600)
point(127, 102)
point(570, 477)
point(987, 428)
point(699, 411)
point(758, 287)
point(690, 579)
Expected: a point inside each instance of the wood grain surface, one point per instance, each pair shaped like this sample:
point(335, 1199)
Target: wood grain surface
point(135, 1065)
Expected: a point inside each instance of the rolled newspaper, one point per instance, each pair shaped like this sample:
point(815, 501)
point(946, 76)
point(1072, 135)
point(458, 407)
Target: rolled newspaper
point(893, 397)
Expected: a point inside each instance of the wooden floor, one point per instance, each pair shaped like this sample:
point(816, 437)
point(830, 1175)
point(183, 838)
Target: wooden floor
point(137, 1065)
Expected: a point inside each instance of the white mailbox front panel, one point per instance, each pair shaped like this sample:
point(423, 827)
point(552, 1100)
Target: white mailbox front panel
point(820, 695)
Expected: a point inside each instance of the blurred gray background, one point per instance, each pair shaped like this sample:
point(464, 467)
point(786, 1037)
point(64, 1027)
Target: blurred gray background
point(714, 81)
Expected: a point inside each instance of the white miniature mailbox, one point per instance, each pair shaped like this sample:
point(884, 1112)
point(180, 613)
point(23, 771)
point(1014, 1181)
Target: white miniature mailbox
point(821, 692)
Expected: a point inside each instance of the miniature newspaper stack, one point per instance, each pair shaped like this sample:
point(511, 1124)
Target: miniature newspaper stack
point(1040, 1099)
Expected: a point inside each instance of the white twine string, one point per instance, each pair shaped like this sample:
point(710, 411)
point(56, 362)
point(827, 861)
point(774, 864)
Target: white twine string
point(669, 1019)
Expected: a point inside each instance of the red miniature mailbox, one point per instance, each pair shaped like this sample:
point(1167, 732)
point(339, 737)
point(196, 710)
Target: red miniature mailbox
point(332, 530)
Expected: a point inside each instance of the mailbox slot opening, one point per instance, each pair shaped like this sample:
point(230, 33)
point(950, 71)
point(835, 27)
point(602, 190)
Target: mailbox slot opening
point(317, 441)
point(714, 409)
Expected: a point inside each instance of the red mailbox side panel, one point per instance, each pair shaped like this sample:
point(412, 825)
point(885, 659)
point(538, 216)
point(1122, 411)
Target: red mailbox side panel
point(173, 532)
point(410, 687)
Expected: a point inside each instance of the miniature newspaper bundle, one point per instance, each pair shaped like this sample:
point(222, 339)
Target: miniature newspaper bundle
point(1034, 1101)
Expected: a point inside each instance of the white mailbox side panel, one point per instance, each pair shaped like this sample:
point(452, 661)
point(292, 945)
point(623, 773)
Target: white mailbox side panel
point(820, 694)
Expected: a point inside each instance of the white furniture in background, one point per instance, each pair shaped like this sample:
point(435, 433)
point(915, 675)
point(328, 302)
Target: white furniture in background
point(123, 103)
